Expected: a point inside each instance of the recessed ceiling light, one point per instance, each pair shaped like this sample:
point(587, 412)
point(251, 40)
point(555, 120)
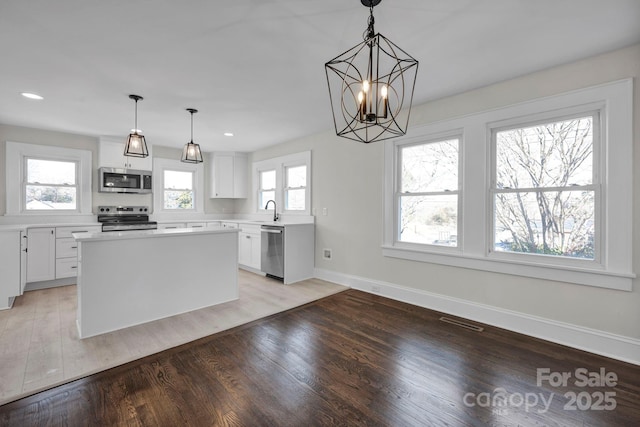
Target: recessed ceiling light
point(228, 134)
point(32, 95)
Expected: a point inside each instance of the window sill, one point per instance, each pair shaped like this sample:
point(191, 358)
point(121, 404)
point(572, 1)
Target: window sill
point(581, 276)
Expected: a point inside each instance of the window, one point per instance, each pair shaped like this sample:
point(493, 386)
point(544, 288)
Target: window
point(295, 188)
point(178, 190)
point(267, 188)
point(544, 189)
point(427, 194)
point(285, 180)
point(545, 199)
point(47, 180)
point(50, 184)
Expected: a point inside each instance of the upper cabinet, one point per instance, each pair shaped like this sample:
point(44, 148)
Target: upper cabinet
point(111, 154)
point(228, 175)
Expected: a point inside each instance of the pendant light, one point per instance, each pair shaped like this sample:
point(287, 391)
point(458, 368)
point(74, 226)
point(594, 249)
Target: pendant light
point(371, 87)
point(191, 152)
point(136, 145)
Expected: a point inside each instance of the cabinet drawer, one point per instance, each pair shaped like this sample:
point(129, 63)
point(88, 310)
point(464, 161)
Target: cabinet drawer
point(250, 228)
point(171, 225)
point(66, 267)
point(196, 225)
point(66, 248)
point(229, 225)
point(65, 232)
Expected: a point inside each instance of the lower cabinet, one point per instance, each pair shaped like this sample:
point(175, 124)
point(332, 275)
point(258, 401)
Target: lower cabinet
point(249, 246)
point(53, 252)
point(12, 266)
point(41, 256)
point(67, 250)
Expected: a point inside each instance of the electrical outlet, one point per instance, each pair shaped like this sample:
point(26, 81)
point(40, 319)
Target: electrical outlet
point(326, 254)
point(325, 211)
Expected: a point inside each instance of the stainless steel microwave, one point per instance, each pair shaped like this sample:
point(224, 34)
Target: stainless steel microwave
point(119, 180)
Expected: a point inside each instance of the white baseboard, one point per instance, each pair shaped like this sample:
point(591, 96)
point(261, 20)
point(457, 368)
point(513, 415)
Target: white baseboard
point(592, 340)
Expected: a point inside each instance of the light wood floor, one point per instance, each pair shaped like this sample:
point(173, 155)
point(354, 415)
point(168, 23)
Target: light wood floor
point(40, 348)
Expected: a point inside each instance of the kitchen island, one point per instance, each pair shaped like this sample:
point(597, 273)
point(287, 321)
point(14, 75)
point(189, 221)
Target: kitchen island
point(133, 277)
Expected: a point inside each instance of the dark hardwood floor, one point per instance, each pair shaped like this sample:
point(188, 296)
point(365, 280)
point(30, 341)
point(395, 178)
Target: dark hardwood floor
point(349, 359)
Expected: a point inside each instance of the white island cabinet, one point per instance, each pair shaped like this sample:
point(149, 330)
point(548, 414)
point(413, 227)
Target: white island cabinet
point(13, 264)
point(133, 277)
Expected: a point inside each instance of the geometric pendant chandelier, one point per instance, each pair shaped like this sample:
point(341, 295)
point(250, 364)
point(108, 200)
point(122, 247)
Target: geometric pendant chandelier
point(371, 87)
point(191, 152)
point(136, 145)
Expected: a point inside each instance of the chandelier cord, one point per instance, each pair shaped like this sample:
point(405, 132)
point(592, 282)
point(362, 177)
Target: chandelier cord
point(369, 32)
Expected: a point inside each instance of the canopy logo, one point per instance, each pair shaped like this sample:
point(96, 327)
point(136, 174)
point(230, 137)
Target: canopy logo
point(500, 401)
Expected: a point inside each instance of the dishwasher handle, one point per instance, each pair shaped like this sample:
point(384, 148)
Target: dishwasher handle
point(271, 230)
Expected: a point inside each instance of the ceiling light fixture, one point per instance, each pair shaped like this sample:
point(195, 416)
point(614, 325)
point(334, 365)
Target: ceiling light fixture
point(228, 134)
point(136, 145)
point(32, 96)
point(371, 87)
point(191, 152)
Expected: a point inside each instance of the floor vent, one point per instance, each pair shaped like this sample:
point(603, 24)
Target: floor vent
point(462, 324)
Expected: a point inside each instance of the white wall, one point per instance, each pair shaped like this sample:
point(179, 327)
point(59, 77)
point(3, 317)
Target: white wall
point(62, 139)
point(347, 179)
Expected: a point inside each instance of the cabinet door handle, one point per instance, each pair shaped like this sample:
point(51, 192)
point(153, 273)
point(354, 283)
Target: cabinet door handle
point(74, 247)
point(73, 266)
point(248, 237)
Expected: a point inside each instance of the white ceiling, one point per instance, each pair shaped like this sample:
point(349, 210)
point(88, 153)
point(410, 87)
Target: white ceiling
point(256, 67)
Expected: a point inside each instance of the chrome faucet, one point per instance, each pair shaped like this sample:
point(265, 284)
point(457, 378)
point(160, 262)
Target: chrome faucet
point(275, 214)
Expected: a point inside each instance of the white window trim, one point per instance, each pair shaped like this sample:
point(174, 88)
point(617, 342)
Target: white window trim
point(427, 139)
point(159, 166)
point(615, 270)
point(261, 190)
point(16, 152)
point(279, 164)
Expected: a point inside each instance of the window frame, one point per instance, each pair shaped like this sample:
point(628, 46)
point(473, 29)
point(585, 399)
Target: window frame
point(25, 183)
point(17, 154)
point(279, 164)
point(614, 269)
point(160, 165)
point(286, 187)
point(596, 185)
point(423, 140)
point(261, 204)
point(165, 189)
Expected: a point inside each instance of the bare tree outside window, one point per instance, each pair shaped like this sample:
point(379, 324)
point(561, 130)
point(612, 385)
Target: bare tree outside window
point(544, 195)
point(428, 193)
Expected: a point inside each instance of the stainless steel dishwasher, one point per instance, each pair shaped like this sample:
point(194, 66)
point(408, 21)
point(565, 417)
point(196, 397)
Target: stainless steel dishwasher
point(272, 251)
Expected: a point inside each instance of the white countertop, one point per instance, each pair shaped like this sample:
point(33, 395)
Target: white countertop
point(137, 234)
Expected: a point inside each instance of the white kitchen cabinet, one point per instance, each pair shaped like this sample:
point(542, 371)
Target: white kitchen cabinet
point(67, 249)
point(111, 154)
point(169, 225)
point(12, 266)
point(249, 246)
point(41, 256)
point(214, 224)
point(299, 252)
point(228, 175)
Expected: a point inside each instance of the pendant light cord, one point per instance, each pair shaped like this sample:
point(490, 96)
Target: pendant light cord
point(191, 127)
